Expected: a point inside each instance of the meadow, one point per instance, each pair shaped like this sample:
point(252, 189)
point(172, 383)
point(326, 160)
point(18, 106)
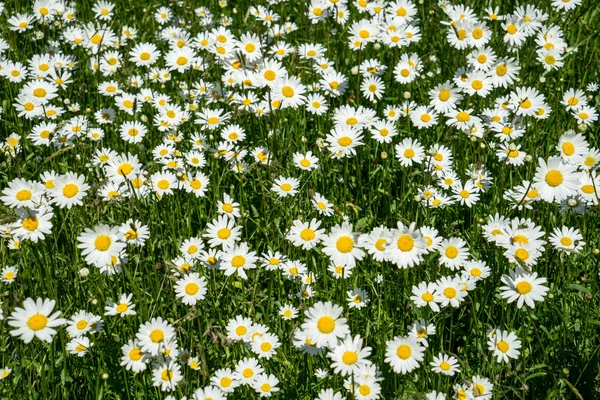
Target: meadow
point(326, 199)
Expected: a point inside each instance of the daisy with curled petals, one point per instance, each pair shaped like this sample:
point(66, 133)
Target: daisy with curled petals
point(349, 356)
point(504, 344)
point(35, 319)
point(421, 330)
point(341, 245)
point(555, 180)
point(153, 334)
point(191, 288)
point(324, 325)
point(305, 234)
point(567, 240)
point(426, 294)
point(79, 346)
point(524, 287)
point(238, 258)
point(404, 354)
point(445, 364)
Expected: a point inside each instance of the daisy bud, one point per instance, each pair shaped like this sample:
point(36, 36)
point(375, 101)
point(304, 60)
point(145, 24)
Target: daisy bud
point(550, 296)
point(406, 95)
point(417, 198)
point(572, 203)
point(384, 155)
point(304, 139)
point(473, 139)
point(582, 127)
point(67, 101)
point(481, 220)
point(474, 176)
point(482, 145)
point(432, 151)
point(235, 11)
point(512, 147)
point(104, 376)
point(377, 46)
point(83, 272)
point(354, 70)
point(144, 118)
point(88, 110)
point(595, 252)
point(542, 79)
point(39, 35)
point(528, 158)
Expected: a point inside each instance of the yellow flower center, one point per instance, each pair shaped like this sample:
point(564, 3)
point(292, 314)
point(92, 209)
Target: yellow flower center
point(451, 252)
point(157, 336)
point(349, 357)
point(344, 244)
point(404, 351)
point(37, 322)
point(307, 234)
point(70, 190)
point(326, 324)
point(502, 346)
point(568, 148)
point(191, 288)
point(238, 261)
point(554, 178)
point(122, 307)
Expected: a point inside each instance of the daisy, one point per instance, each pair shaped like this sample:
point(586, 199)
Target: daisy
point(376, 242)
point(239, 328)
point(505, 345)
point(476, 269)
point(82, 323)
point(224, 380)
point(451, 291)
point(482, 387)
point(306, 161)
point(166, 375)
point(35, 320)
point(586, 115)
point(466, 194)
point(222, 232)
point(357, 298)
point(207, 393)
point(33, 225)
point(322, 205)
point(8, 274)
point(265, 345)
point(555, 180)
point(79, 346)
point(289, 92)
point(22, 193)
point(69, 190)
point(444, 97)
point(305, 234)
point(573, 99)
point(407, 246)
point(572, 147)
point(265, 385)
point(288, 312)
point(567, 240)
point(524, 287)
point(409, 151)
point(445, 364)
point(100, 245)
point(238, 258)
point(153, 334)
point(285, 186)
point(404, 354)
point(349, 356)
point(191, 288)
point(426, 294)
point(454, 252)
point(341, 245)
point(420, 330)
point(247, 370)
point(324, 325)
point(122, 308)
point(422, 117)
